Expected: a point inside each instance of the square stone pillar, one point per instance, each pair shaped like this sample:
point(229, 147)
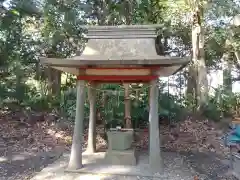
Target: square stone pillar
point(75, 161)
point(155, 160)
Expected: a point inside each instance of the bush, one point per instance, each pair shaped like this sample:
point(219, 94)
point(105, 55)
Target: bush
point(222, 104)
point(212, 111)
point(169, 107)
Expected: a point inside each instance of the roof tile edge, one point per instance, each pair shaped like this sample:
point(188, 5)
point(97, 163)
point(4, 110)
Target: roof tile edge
point(123, 31)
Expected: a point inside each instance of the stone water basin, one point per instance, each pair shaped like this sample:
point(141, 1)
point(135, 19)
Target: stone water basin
point(120, 139)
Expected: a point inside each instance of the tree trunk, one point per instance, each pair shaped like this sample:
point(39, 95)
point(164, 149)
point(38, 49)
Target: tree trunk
point(191, 82)
point(227, 69)
point(237, 54)
point(38, 71)
point(54, 81)
point(53, 75)
point(19, 78)
point(202, 87)
point(233, 45)
point(191, 87)
point(199, 70)
point(56, 88)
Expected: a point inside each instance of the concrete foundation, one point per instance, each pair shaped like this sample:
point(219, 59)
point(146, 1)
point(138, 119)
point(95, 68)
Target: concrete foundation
point(126, 158)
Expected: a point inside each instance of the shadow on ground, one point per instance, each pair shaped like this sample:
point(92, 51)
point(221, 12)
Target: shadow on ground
point(20, 166)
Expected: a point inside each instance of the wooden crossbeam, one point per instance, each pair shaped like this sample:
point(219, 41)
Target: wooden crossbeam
point(120, 78)
point(119, 67)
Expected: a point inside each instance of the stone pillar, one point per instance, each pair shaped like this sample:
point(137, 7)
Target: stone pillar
point(75, 161)
point(127, 107)
point(155, 160)
point(91, 147)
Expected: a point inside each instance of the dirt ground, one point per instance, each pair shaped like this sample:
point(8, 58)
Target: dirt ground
point(28, 143)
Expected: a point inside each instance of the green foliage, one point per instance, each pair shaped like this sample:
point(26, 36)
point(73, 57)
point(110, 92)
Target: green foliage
point(212, 111)
point(169, 107)
point(68, 103)
point(53, 28)
point(222, 104)
point(40, 103)
point(216, 37)
point(189, 102)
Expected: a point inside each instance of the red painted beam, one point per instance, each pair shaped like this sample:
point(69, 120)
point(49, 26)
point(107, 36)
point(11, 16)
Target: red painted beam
point(122, 81)
point(118, 68)
point(117, 78)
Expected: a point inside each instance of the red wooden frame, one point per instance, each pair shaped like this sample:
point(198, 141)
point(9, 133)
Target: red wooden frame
point(118, 68)
point(122, 78)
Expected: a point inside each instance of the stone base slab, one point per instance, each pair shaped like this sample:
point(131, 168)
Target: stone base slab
point(126, 157)
point(93, 165)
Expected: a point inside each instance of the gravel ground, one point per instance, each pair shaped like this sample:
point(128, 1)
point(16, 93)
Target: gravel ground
point(175, 169)
point(206, 166)
point(22, 139)
point(212, 166)
point(181, 166)
point(21, 167)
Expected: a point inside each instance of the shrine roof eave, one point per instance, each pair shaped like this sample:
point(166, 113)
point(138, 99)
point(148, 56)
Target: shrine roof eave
point(78, 62)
